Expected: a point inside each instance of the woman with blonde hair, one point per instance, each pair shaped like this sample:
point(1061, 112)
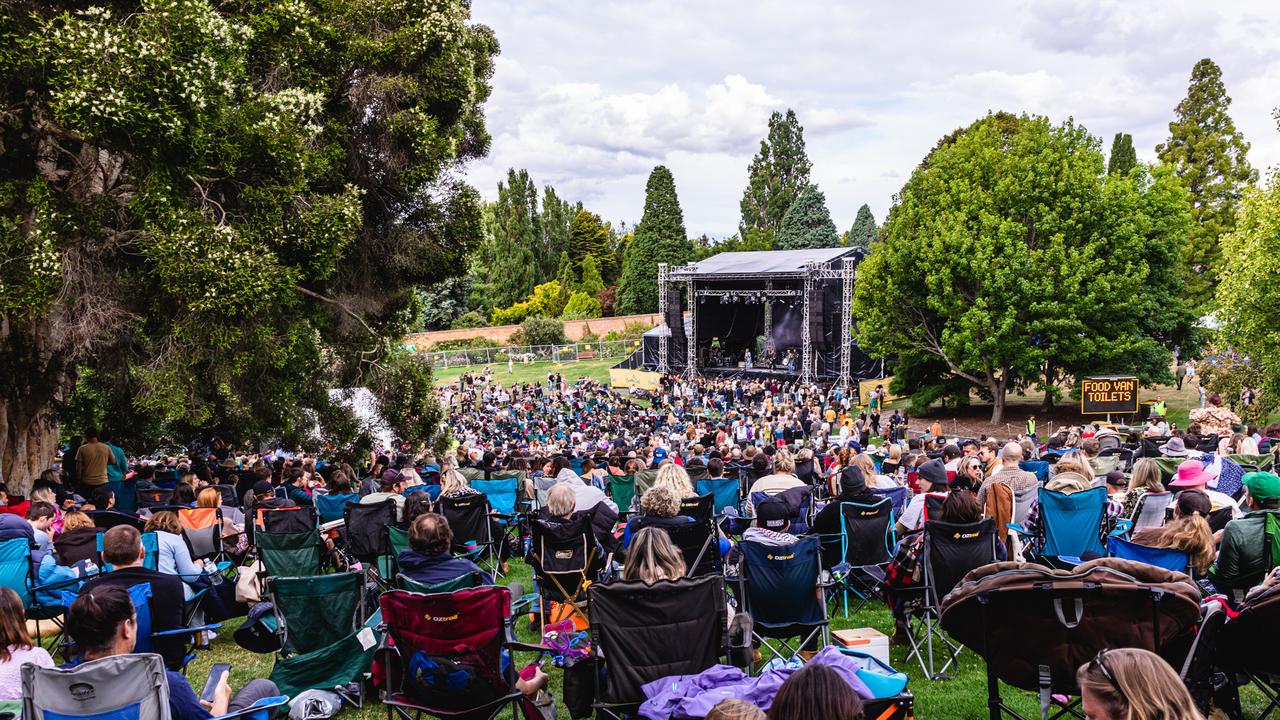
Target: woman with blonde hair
point(1188, 531)
point(863, 462)
point(676, 479)
point(233, 535)
point(1133, 684)
point(173, 557)
point(653, 557)
point(1145, 479)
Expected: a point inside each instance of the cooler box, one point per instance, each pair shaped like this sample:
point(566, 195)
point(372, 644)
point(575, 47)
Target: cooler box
point(865, 640)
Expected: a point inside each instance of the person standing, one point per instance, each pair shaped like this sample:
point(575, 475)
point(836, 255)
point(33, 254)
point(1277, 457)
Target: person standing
point(92, 459)
point(1158, 408)
point(126, 494)
point(1031, 427)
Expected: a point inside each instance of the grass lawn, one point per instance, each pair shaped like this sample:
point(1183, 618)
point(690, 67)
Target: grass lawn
point(533, 372)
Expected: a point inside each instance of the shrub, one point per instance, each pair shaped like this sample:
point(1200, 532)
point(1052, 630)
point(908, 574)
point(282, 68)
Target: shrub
point(472, 319)
point(581, 306)
point(608, 298)
point(541, 331)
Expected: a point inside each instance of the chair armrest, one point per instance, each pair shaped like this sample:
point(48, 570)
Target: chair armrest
point(526, 647)
point(1123, 527)
point(1018, 528)
point(186, 631)
point(263, 706)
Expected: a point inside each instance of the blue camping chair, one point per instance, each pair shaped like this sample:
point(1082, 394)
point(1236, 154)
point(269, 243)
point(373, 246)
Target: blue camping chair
point(118, 687)
point(1039, 468)
point(897, 497)
point(1167, 558)
point(140, 596)
point(799, 523)
point(724, 490)
point(19, 573)
point(1070, 524)
point(776, 585)
point(867, 539)
point(150, 544)
point(330, 507)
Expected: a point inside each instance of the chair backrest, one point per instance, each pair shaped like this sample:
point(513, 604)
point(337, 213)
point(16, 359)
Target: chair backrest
point(563, 555)
point(289, 554)
point(780, 582)
point(799, 501)
point(623, 490)
point(399, 539)
point(897, 497)
point(462, 582)
point(867, 534)
point(430, 631)
point(15, 567)
point(367, 525)
point(1072, 523)
point(120, 687)
point(1167, 558)
point(107, 519)
point(468, 517)
point(502, 493)
point(724, 490)
point(645, 480)
point(75, 546)
point(153, 497)
point(229, 497)
point(199, 518)
point(699, 507)
point(1022, 501)
point(330, 507)
point(951, 550)
point(641, 633)
point(205, 542)
point(698, 544)
point(1150, 512)
point(1039, 468)
point(933, 506)
point(317, 611)
point(295, 519)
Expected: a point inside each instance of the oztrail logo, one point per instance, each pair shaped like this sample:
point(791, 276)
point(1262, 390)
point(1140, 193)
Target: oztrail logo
point(443, 618)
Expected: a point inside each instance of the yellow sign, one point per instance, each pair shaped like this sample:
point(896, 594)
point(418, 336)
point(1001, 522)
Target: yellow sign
point(1102, 395)
point(642, 379)
point(866, 387)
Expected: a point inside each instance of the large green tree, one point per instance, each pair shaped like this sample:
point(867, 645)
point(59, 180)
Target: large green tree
point(864, 229)
point(1123, 157)
point(659, 237)
point(774, 179)
point(807, 223)
point(514, 246)
point(556, 222)
point(219, 210)
point(1210, 157)
point(1010, 257)
point(589, 237)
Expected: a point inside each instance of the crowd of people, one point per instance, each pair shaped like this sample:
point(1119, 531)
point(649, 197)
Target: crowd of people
point(800, 451)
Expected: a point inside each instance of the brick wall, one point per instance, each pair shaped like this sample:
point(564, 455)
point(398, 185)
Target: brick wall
point(573, 329)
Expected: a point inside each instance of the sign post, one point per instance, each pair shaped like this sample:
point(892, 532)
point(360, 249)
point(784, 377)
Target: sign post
point(1106, 395)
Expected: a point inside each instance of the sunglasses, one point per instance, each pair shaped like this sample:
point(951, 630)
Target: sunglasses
point(1106, 673)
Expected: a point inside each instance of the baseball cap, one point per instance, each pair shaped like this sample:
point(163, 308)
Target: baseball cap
point(1264, 487)
point(262, 487)
point(772, 514)
point(1115, 477)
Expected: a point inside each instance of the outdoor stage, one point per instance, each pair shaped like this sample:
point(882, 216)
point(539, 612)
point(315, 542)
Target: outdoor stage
point(777, 313)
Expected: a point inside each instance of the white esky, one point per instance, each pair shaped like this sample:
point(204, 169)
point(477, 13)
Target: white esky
point(590, 95)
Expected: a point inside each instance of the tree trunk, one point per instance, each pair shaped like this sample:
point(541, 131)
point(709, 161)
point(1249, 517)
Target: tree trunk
point(28, 441)
point(997, 401)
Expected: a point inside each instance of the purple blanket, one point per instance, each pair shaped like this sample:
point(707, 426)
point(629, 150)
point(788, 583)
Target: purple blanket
point(693, 696)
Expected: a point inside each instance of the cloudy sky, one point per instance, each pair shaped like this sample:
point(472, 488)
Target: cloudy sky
point(590, 95)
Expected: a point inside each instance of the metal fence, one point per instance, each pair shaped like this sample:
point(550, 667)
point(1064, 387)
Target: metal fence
point(526, 354)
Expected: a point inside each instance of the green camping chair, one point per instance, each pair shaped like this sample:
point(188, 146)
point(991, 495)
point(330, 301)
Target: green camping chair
point(645, 480)
point(319, 620)
point(289, 554)
point(623, 490)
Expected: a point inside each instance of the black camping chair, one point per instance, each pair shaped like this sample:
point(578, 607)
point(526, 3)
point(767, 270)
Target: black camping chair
point(701, 508)
point(699, 545)
point(641, 633)
point(867, 539)
point(565, 558)
point(289, 520)
point(366, 535)
point(107, 519)
point(951, 550)
point(229, 498)
point(780, 587)
point(469, 519)
point(1247, 645)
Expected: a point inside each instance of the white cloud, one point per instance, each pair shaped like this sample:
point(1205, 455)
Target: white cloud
point(590, 96)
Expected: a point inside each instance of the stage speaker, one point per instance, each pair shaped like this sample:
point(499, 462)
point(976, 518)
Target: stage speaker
point(818, 319)
point(675, 316)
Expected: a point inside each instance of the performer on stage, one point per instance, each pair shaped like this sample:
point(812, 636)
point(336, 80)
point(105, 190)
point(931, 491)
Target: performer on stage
point(746, 358)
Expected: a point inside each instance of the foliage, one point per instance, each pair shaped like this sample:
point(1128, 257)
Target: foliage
point(608, 299)
point(472, 319)
point(1248, 297)
point(566, 275)
point(464, 344)
point(225, 206)
point(1209, 156)
point(774, 179)
point(511, 254)
point(733, 243)
point(864, 229)
point(925, 380)
point(556, 222)
point(1011, 257)
point(581, 306)
point(659, 238)
point(1227, 374)
point(589, 237)
point(592, 284)
point(406, 401)
point(1123, 157)
point(440, 304)
point(807, 223)
point(547, 300)
point(540, 331)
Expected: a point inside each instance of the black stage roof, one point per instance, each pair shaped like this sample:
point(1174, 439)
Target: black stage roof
point(774, 263)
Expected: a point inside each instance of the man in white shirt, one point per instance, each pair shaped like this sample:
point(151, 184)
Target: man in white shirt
point(933, 475)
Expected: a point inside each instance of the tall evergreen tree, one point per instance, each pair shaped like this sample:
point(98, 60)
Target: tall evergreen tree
point(566, 275)
point(589, 237)
point(1123, 157)
point(807, 223)
point(659, 237)
point(515, 239)
point(592, 282)
point(1209, 155)
point(774, 179)
point(557, 218)
point(863, 230)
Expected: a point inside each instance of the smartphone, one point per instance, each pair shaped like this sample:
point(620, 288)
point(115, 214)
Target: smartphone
point(216, 674)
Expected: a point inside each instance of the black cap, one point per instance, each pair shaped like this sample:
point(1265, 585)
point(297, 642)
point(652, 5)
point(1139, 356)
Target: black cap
point(933, 472)
point(772, 514)
point(1115, 477)
point(852, 481)
point(262, 487)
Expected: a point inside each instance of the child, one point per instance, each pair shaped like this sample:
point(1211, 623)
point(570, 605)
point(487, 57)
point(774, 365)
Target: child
point(735, 709)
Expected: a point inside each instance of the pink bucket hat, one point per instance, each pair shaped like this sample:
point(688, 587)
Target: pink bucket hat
point(1190, 474)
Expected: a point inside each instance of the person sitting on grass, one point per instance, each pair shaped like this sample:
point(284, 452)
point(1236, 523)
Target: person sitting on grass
point(102, 623)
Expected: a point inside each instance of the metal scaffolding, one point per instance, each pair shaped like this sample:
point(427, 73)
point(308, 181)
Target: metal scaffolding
point(846, 319)
point(664, 338)
point(806, 338)
point(691, 338)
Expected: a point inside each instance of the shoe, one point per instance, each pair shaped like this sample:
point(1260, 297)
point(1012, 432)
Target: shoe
point(900, 634)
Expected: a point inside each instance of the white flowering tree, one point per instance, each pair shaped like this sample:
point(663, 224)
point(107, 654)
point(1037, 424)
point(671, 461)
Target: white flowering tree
point(211, 213)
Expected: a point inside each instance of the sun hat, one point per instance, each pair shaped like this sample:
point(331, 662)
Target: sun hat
point(1174, 448)
point(1191, 473)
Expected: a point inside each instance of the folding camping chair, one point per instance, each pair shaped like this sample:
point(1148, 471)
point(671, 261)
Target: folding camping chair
point(319, 621)
point(462, 582)
point(699, 544)
point(19, 573)
point(367, 538)
point(507, 503)
point(287, 519)
point(121, 686)
point(1071, 525)
point(449, 654)
point(564, 558)
point(229, 497)
point(470, 521)
point(202, 529)
point(897, 497)
point(702, 508)
point(867, 539)
point(724, 490)
point(1039, 468)
point(107, 519)
point(951, 550)
point(1151, 510)
point(290, 554)
point(623, 490)
point(181, 639)
point(330, 507)
point(641, 633)
point(780, 587)
point(155, 497)
point(1167, 558)
point(1248, 642)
